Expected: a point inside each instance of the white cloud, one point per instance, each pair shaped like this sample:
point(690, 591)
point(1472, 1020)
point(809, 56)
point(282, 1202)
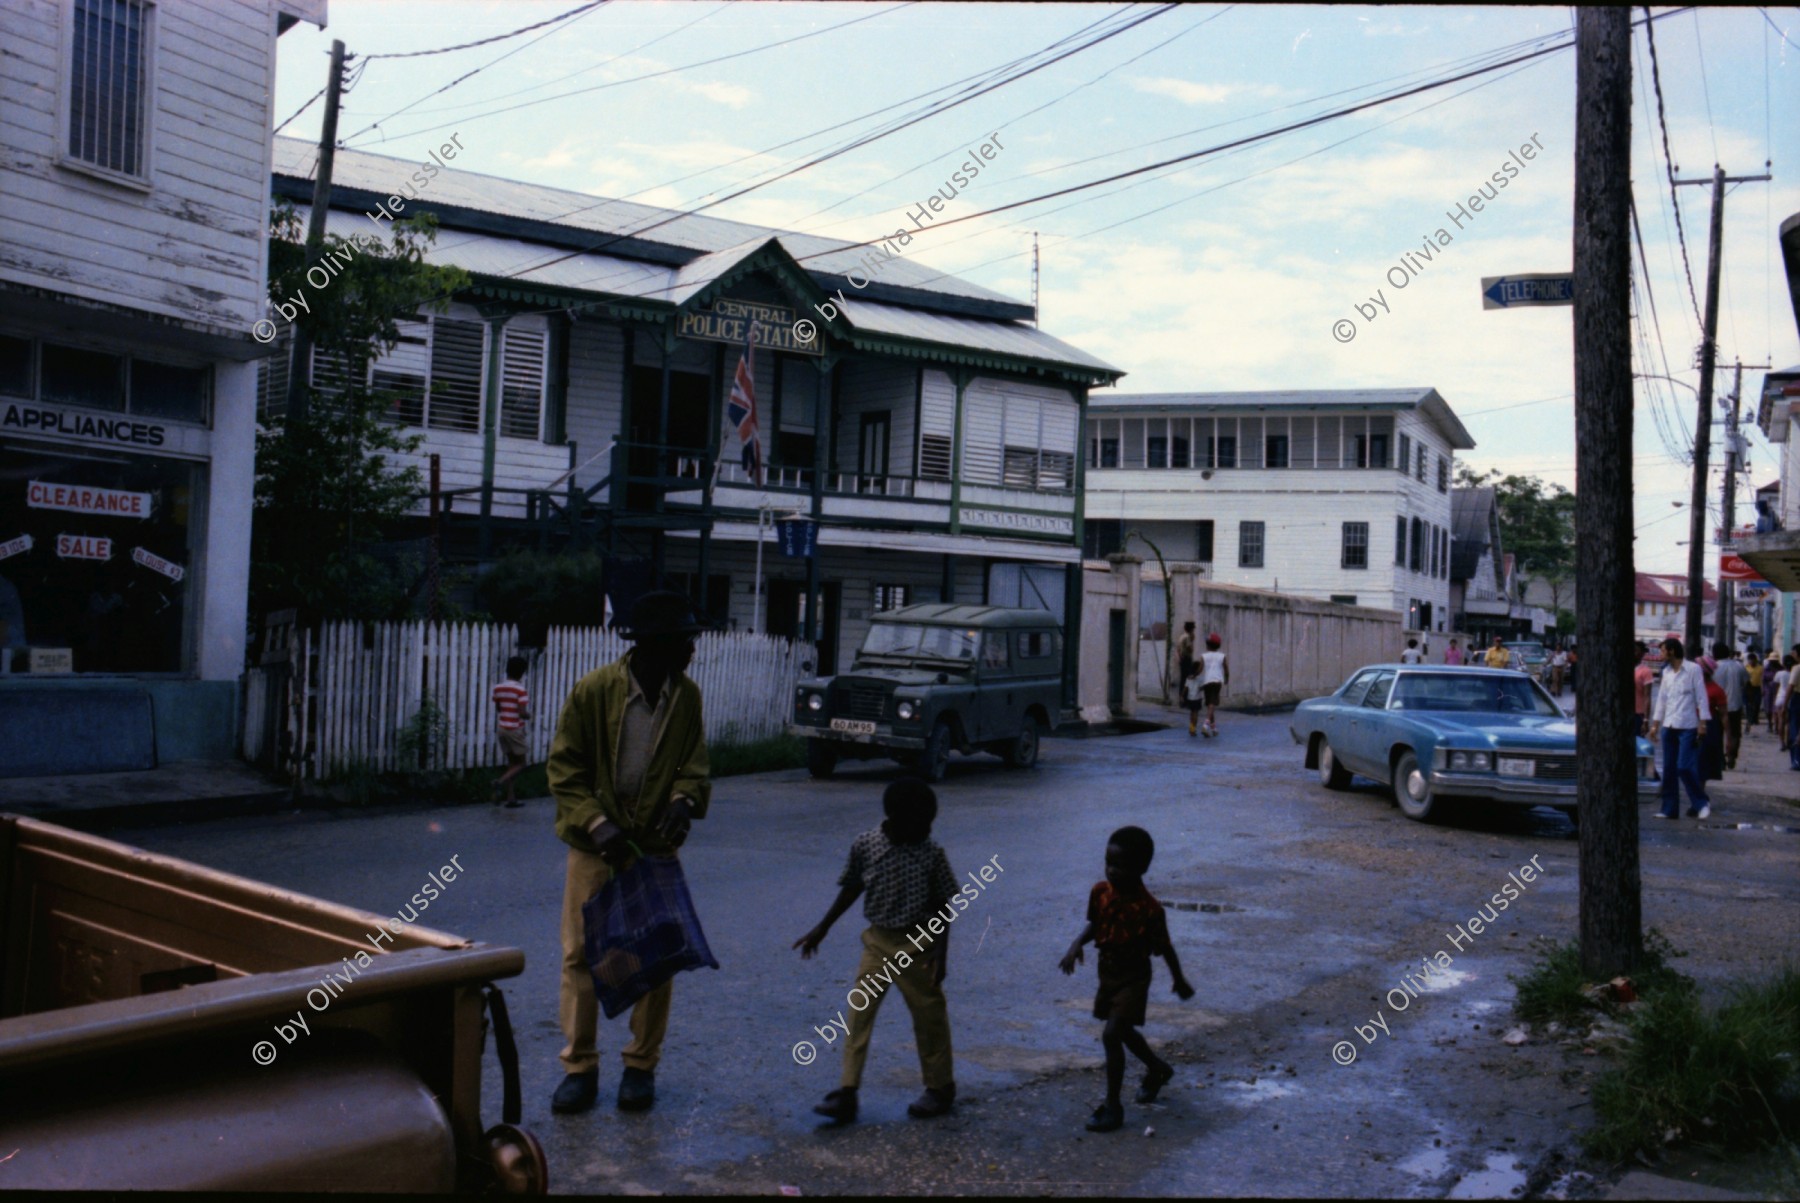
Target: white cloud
point(1189, 92)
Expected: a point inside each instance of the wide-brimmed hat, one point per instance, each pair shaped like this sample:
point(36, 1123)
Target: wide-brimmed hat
point(662, 612)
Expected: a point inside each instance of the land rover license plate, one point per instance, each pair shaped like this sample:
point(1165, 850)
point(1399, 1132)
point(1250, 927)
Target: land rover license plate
point(853, 726)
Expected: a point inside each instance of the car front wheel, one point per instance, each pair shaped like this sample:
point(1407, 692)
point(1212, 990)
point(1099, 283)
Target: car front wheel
point(1332, 775)
point(1412, 788)
point(1022, 752)
point(821, 758)
point(935, 759)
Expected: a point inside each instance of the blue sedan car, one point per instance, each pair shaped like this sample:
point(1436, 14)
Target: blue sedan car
point(1438, 732)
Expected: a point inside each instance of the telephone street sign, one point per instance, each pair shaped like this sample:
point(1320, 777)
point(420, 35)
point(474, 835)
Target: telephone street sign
point(1532, 288)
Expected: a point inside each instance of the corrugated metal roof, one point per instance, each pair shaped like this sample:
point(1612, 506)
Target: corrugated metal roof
point(1324, 398)
point(1014, 339)
point(601, 216)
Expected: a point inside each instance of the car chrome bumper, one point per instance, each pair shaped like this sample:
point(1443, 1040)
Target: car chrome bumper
point(1524, 791)
point(882, 735)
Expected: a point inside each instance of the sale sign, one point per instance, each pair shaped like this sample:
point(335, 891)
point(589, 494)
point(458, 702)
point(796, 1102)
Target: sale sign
point(83, 547)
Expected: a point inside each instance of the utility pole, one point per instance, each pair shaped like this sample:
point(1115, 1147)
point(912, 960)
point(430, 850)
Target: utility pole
point(315, 233)
point(1606, 782)
point(1709, 351)
point(1727, 624)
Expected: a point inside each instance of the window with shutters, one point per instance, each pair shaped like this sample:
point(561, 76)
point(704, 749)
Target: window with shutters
point(1419, 475)
point(1417, 556)
point(108, 85)
point(1443, 474)
point(522, 381)
point(1400, 541)
point(889, 597)
point(1056, 470)
point(1020, 470)
point(1403, 461)
point(401, 375)
point(936, 455)
point(453, 400)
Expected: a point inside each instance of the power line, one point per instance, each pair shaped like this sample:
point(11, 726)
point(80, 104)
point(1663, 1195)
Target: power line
point(1669, 161)
point(499, 37)
point(309, 104)
point(736, 54)
point(1705, 88)
point(1775, 27)
point(467, 75)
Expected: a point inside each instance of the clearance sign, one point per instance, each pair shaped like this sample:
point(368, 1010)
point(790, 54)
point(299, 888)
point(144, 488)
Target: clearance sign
point(87, 499)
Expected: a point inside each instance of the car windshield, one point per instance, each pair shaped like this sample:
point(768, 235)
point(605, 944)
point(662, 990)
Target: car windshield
point(1531, 651)
point(1477, 692)
point(918, 639)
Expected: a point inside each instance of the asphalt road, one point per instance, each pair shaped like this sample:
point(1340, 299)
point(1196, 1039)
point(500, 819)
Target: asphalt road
point(1296, 912)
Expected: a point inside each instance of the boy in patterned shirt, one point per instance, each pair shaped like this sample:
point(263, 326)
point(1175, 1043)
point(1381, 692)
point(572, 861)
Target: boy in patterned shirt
point(909, 883)
point(1127, 925)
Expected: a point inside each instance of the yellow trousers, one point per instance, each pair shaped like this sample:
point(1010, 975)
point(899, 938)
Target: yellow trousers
point(577, 1009)
point(930, 1017)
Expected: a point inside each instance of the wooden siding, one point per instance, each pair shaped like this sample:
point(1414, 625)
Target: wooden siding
point(1007, 413)
point(192, 246)
point(871, 386)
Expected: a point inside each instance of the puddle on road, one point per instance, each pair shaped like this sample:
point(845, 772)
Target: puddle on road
point(1261, 1090)
point(1432, 1163)
point(1752, 827)
point(1503, 1178)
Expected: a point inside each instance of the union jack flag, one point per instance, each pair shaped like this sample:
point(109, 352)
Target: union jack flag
point(741, 410)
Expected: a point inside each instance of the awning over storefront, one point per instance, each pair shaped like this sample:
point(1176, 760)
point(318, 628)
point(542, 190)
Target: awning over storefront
point(1776, 555)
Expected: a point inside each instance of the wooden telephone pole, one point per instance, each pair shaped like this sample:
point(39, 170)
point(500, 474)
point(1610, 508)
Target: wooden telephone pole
point(1606, 784)
point(298, 383)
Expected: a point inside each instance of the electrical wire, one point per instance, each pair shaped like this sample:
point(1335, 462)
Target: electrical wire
point(1669, 163)
point(558, 26)
point(1776, 28)
point(309, 104)
point(500, 37)
point(1705, 88)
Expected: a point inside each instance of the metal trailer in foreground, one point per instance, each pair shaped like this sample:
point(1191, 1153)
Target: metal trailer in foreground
point(139, 998)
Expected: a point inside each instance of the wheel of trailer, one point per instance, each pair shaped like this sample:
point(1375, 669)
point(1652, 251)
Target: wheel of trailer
point(821, 758)
point(1412, 788)
point(516, 1161)
point(935, 759)
point(1022, 752)
point(1332, 775)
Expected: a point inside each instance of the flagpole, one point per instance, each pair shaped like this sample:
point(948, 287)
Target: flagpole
point(756, 621)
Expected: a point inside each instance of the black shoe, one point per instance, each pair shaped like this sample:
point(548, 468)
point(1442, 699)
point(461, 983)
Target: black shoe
point(514, 804)
point(576, 1093)
point(637, 1089)
point(934, 1102)
point(1154, 1081)
point(839, 1105)
point(1108, 1117)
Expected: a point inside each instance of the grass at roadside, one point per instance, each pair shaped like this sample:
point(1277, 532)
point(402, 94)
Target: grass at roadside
point(1724, 1076)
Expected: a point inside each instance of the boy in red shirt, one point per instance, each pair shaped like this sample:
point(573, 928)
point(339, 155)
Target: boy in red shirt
point(512, 704)
point(1128, 926)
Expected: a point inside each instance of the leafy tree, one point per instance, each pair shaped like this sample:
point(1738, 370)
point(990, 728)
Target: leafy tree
point(327, 488)
point(539, 592)
point(1537, 525)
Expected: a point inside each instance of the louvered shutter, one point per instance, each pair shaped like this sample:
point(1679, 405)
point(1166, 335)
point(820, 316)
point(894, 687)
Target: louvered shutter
point(401, 374)
point(522, 382)
point(456, 360)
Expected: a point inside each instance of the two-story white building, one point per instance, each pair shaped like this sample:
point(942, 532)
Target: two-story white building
point(577, 395)
point(1337, 494)
point(134, 211)
point(1775, 553)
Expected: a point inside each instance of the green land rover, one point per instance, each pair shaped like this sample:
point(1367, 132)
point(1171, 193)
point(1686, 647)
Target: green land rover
point(930, 679)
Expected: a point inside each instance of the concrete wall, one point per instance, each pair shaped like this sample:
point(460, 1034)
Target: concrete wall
point(1282, 649)
point(1105, 589)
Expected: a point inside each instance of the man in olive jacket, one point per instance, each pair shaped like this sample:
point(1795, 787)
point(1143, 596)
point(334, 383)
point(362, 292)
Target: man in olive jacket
point(627, 767)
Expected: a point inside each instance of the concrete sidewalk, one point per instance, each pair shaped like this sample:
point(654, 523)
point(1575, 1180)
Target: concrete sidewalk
point(173, 793)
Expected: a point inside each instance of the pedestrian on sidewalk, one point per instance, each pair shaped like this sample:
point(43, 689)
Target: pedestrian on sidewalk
point(629, 773)
point(1412, 654)
point(1731, 677)
point(1712, 740)
point(1559, 667)
point(1193, 697)
point(909, 883)
point(1128, 927)
point(1679, 717)
point(1772, 683)
point(512, 702)
point(1214, 672)
point(1785, 693)
point(1184, 652)
point(1642, 679)
point(1499, 655)
point(1753, 679)
point(1793, 716)
point(1453, 654)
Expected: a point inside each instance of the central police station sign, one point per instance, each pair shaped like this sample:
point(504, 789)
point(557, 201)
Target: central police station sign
point(729, 321)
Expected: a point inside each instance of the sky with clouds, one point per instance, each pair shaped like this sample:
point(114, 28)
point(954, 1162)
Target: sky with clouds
point(1240, 269)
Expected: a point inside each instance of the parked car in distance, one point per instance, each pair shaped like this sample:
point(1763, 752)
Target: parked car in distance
point(1432, 733)
point(934, 678)
point(1529, 656)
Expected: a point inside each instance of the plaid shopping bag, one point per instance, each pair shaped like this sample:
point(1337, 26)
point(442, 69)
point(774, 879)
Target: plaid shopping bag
point(640, 930)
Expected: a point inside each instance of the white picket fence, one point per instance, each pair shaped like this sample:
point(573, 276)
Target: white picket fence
point(368, 682)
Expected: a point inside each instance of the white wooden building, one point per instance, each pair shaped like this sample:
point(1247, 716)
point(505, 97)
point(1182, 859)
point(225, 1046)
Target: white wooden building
point(923, 423)
point(133, 245)
point(1337, 494)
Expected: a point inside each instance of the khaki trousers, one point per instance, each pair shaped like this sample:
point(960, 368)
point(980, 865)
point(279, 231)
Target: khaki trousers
point(930, 1017)
point(577, 1008)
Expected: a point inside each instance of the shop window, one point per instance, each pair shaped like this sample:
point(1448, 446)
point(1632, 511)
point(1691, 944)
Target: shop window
point(15, 366)
point(73, 376)
point(107, 571)
point(162, 390)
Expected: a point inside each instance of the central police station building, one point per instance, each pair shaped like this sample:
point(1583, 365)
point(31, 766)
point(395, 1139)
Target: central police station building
point(578, 392)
